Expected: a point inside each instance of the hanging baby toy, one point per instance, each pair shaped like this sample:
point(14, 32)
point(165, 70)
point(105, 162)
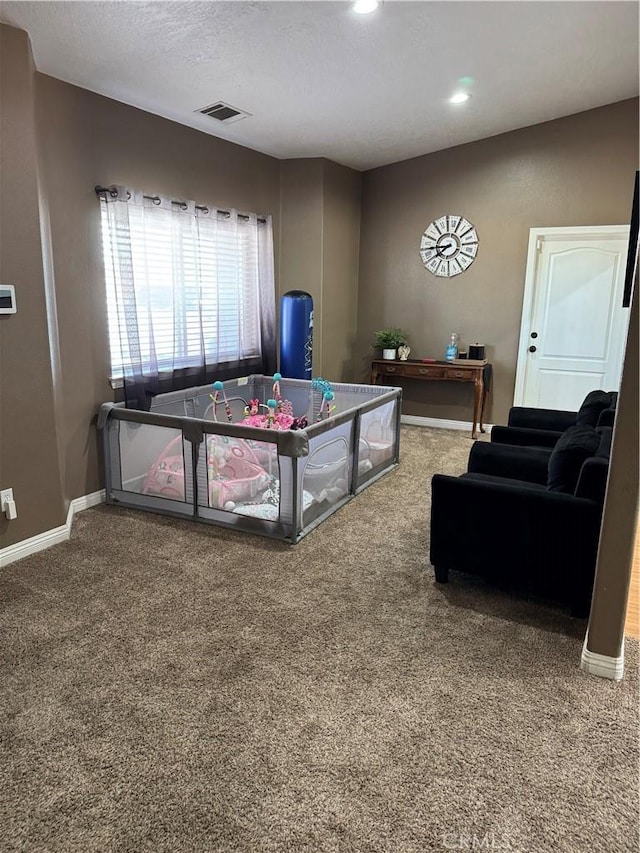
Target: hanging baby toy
point(253, 408)
point(324, 387)
point(278, 413)
point(326, 406)
point(218, 388)
point(285, 407)
point(276, 386)
point(272, 405)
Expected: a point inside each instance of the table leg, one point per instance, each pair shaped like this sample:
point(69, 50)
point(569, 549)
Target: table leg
point(477, 400)
point(484, 400)
point(374, 376)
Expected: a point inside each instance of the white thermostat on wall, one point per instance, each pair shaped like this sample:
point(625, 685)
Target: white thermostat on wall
point(7, 299)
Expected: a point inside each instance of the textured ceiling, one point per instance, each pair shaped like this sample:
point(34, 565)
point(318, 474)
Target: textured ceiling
point(320, 80)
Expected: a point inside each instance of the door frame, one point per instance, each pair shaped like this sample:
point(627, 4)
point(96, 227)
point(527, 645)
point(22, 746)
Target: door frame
point(535, 234)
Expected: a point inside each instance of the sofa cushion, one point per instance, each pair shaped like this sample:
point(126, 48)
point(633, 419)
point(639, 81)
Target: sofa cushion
point(594, 403)
point(574, 446)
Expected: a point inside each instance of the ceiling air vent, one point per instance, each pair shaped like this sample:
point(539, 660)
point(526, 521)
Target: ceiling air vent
point(223, 112)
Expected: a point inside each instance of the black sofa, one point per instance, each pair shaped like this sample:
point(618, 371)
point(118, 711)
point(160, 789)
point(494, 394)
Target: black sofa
point(543, 427)
point(526, 517)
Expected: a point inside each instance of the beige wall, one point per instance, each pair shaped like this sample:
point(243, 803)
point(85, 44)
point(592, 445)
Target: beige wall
point(340, 266)
point(301, 212)
point(30, 460)
point(319, 249)
point(573, 171)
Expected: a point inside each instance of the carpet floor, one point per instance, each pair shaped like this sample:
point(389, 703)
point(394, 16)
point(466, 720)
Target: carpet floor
point(168, 686)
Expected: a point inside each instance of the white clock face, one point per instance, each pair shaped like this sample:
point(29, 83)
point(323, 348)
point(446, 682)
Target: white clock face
point(449, 246)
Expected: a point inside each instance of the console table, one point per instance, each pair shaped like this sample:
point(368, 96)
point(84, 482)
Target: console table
point(441, 371)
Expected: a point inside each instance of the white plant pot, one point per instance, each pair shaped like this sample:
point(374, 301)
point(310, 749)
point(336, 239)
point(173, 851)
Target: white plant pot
point(389, 354)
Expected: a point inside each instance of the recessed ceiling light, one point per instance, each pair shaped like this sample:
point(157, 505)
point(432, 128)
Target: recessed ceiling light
point(459, 98)
point(363, 7)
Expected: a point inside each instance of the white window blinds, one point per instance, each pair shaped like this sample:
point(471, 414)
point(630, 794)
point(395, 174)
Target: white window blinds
point(183, 283)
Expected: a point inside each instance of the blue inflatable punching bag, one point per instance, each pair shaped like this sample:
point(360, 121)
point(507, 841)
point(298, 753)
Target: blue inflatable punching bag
point(296, 334)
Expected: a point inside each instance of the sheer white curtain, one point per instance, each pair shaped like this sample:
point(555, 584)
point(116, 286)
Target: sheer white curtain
point(190, 292)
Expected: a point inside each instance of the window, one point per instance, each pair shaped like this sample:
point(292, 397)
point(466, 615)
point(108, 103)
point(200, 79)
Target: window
point(183, 284)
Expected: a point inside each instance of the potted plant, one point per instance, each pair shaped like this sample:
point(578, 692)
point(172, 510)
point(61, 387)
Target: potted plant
point(388, 340)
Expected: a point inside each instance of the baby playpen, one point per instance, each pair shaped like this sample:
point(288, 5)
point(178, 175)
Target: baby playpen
point(198, 454)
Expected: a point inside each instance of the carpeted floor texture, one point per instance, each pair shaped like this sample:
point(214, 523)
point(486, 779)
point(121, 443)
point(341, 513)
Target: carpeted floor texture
point(169, 686)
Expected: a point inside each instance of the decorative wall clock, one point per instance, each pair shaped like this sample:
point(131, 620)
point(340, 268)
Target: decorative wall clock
point(449, 246)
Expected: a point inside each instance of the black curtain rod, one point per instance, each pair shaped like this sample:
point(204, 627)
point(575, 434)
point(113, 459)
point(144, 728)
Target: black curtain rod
point(156, 200)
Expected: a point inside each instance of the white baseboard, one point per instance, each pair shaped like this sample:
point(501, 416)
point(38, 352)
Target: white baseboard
point(87, 501)
point(50, 537)
point(602, 665)
point(440, 423)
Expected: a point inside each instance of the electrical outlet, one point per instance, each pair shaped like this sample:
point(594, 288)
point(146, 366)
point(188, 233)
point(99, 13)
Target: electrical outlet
point(7, 504)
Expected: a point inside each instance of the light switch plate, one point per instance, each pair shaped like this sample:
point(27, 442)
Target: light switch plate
point(7, 299)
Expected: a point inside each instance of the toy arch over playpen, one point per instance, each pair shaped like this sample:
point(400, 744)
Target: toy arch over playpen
point(179, 459)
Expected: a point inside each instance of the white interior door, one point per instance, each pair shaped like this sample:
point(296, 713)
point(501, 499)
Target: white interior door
point(574, 328)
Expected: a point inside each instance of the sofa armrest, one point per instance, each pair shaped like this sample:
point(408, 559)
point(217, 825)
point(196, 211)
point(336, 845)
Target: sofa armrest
point(607, 418)
point(524, 437)
point(555, 419)
point(529, 464)
point(490, 504)
point(592, 482)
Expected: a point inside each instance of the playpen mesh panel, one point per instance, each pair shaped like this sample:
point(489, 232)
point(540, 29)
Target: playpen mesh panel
point(325, 473)
point(152, 460)
point(300, 398)
point(240, 476)
point(377, 438)
point(235, 403)
point(179, 407)
point(261, 389)
point(197, 402)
